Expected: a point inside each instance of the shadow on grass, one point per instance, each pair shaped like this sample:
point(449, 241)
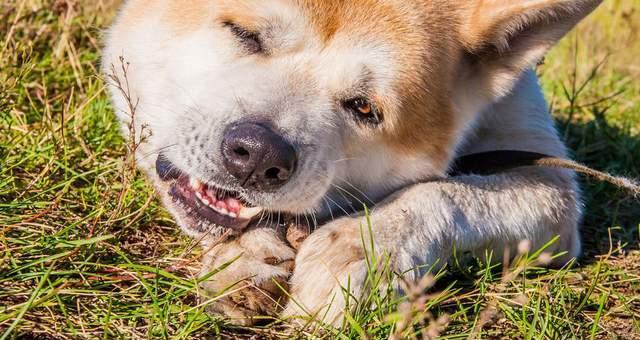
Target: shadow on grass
point(611, 215)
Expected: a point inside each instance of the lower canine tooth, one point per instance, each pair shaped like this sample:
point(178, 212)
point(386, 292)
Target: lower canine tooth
point(203, 199)
point(195, 184)
point(249, 213)
point(221, 211)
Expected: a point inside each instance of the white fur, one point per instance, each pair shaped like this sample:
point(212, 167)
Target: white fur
point(422, 225)
point(191, 84)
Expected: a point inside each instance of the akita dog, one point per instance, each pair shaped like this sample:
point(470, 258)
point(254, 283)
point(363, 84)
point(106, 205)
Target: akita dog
point(311, 109)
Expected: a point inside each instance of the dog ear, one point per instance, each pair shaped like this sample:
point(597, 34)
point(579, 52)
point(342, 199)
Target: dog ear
point(502, 38)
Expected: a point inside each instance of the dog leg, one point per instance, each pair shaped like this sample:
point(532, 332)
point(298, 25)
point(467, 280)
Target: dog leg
point(259, 263)
point(422, 225)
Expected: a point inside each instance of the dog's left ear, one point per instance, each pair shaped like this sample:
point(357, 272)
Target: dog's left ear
point(504, 37)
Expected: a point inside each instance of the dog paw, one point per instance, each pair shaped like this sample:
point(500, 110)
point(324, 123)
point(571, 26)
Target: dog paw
point(330, 273)
point(253, 271)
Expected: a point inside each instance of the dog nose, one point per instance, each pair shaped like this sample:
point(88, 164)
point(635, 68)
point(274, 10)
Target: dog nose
point(258, 157)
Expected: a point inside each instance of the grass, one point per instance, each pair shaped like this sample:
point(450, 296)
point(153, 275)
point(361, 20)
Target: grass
point(86, 251)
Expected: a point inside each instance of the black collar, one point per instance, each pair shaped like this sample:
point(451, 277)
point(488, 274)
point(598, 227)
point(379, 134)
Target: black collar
point(491, 162)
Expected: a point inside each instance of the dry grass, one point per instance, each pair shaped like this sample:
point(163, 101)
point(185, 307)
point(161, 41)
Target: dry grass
point(85, 251)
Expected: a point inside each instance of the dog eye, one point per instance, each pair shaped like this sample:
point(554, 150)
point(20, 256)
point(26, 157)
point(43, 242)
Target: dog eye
point(364, 110)
point(250, 40)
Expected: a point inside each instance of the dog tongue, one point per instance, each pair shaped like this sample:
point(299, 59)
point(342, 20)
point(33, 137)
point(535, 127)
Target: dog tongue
point(233, 204)
point(218, 199)
point(230, 204)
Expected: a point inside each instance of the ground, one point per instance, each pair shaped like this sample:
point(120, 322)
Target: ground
point(87, 252)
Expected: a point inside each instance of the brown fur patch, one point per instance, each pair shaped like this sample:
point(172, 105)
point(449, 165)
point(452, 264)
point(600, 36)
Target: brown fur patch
point(333, 236)
point(354, 16)
point(422, 42)
point(238, 12)
point(180, 15)
point(425, 47)
point(420, 38)
point(187, 15)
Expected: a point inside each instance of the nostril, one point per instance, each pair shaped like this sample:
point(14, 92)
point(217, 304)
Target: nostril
point(272, 173)
point(277, 174)
point(258, 157)
point(242, 153)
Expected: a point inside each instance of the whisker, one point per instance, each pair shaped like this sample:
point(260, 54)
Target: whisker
point(278, 221)
point(297, 219)
point(346, 159)
point(315, 221)
point(262, 214)
point(341, 192)
point(329, 208)
point(357, 190)
point(350, 193)
point(338, 205)
point(269, 221)
point(156, 152)
point(306, 217)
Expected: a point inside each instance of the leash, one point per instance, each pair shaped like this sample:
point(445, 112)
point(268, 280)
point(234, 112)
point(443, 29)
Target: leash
point(491, 162)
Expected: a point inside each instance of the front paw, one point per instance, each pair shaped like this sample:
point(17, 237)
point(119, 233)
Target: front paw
point(259, 264)
point(330, 273)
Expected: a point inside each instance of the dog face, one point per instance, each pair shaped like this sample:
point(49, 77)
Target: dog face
point(300, 106)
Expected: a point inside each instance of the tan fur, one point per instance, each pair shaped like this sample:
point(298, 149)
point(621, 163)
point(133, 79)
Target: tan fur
point(451, 77)
point(421, 120)
point(249, 294)
point(179, 15)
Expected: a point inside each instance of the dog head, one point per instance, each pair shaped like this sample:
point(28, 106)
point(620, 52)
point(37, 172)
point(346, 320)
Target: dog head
point(300, 106)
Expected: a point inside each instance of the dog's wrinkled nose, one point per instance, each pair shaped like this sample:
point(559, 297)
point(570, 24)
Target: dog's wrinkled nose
point(258, 157)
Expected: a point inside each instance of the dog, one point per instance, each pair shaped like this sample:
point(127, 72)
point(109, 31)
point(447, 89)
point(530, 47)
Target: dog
point(312, 109)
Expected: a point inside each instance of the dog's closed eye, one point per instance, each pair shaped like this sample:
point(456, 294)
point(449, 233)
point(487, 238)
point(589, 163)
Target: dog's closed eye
point(250, 40)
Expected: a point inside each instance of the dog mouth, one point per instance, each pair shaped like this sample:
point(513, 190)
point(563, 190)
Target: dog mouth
point(207, 202)
point(216, 205)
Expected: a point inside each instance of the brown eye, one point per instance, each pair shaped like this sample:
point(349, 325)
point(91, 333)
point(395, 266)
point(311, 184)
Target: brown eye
point(363, 110)
point(250, 40)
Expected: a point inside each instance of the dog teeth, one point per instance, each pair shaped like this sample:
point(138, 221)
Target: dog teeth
point(200, 197)
point(249, 213)
point(220, 209)
point(230, 207)
point(224, 212)
point(196, 185)
point(217, 206)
